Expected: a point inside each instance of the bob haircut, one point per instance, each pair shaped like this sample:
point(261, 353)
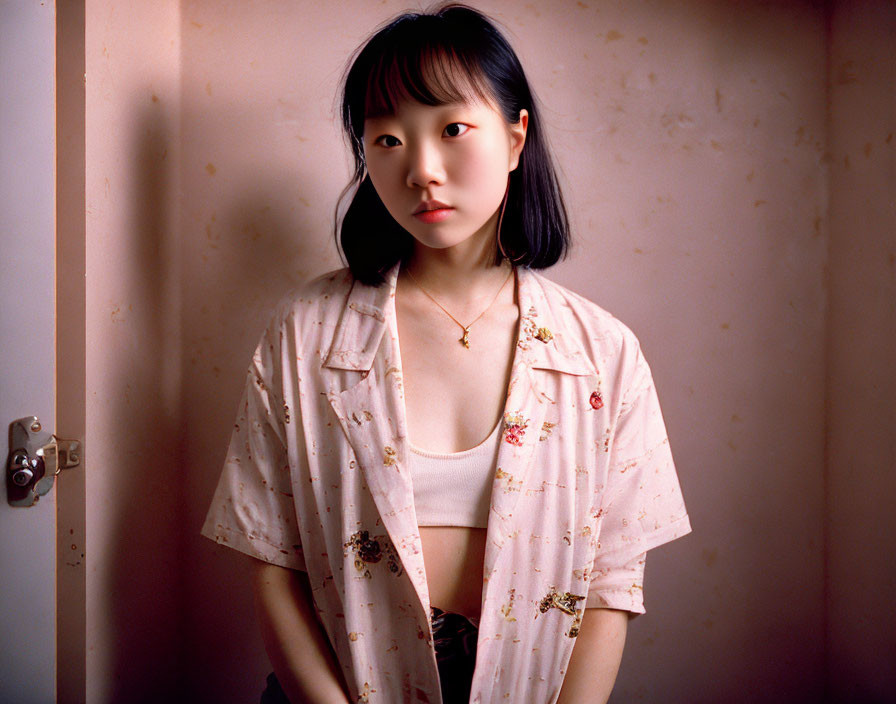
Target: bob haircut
point(451, 54)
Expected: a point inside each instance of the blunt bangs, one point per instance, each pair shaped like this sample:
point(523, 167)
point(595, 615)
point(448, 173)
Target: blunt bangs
point(426, 73)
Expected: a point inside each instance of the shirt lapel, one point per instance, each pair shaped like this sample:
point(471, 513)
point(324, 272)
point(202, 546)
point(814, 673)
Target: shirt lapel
point(367, 397)
point(543, 351)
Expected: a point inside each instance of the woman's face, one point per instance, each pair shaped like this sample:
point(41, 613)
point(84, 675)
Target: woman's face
point(441, 171)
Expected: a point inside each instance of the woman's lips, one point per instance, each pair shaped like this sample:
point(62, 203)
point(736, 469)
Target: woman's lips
point(431, 216)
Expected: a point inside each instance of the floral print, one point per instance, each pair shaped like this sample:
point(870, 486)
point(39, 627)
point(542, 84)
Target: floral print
point(371, 550)
point(509, 483)
point(514, 428)
point(546, 429)
point(544, 335)
point(566, 602)
point(584, 486)
point(528, 327)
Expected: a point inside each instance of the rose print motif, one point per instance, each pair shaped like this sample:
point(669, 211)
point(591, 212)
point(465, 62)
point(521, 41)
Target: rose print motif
point(515, 428)
point(515, 435)
point(596, 401)
point(389, 456)
point(370, 550)
point(566, 602)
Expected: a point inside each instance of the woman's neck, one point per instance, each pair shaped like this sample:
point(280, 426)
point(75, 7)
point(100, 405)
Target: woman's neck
point(462, 273)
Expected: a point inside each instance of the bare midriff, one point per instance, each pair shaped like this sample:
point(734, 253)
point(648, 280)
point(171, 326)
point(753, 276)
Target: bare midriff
point(454, 557)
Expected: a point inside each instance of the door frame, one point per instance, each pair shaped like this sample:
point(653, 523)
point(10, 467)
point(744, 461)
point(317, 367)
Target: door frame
point(71, 349)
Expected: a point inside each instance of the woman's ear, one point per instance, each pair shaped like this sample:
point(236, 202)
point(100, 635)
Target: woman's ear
point(517, 133)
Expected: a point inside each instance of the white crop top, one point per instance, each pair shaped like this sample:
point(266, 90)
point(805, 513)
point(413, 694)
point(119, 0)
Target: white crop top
point(455, 489)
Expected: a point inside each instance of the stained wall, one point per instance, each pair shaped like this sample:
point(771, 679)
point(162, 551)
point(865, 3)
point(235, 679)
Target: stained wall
point(693, 144)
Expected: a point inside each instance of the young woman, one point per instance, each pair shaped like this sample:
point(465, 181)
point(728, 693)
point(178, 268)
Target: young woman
point(448, 467)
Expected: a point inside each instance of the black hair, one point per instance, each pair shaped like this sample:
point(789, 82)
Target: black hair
point(413, 57)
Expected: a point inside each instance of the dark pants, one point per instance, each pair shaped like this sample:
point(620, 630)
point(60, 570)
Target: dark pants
point(455, 644)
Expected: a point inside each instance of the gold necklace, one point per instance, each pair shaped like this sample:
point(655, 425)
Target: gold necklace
point(465, 338)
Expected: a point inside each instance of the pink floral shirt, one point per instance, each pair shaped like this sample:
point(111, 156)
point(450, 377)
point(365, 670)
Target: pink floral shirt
point(316, 479)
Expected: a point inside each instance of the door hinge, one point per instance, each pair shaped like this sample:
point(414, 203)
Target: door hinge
point(35, 458)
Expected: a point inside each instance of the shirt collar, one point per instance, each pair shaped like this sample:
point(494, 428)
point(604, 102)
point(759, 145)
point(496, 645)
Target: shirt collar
point(363, 322)
point(541, 338)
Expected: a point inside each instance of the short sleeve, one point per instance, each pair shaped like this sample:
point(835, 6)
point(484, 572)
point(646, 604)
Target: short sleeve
point(253, 509)
point(618, 587)
point(642, 506)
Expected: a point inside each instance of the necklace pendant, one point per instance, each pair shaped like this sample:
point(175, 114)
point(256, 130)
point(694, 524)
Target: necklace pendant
point(465, 340)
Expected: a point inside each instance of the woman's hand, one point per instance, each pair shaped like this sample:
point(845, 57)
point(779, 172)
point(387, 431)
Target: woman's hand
point(595, 658)
point(295, 642)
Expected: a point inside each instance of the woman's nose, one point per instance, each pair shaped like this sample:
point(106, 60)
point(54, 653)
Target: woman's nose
point(425, 166)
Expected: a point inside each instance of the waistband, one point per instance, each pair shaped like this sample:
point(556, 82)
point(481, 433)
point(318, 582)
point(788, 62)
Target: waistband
point(438, 617)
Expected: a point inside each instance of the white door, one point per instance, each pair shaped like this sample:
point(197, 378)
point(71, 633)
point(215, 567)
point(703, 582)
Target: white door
point(27, 352)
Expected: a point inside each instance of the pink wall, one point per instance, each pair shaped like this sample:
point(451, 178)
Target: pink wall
point(861, 383)
point(135, 476)
point(692, 139)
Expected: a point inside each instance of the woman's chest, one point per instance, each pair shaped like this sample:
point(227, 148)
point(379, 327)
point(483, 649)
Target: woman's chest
point(454, 394)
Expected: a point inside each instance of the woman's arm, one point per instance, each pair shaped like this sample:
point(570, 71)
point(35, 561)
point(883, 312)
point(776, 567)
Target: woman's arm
point(296, 644)
point(595, 657)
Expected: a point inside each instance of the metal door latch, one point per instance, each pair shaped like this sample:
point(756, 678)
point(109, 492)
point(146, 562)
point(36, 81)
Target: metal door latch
point(35, 458)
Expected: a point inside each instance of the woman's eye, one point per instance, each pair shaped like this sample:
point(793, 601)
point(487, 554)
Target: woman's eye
point(385, 138)
point(455, 129)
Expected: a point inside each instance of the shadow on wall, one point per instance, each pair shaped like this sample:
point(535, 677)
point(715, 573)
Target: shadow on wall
point(201, 295)
point(144, 568)
point(248, 241)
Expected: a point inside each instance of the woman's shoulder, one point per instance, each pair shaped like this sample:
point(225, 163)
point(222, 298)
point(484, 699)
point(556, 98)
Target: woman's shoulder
point(581, 318)
point(331, 286)
point(321, 295)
